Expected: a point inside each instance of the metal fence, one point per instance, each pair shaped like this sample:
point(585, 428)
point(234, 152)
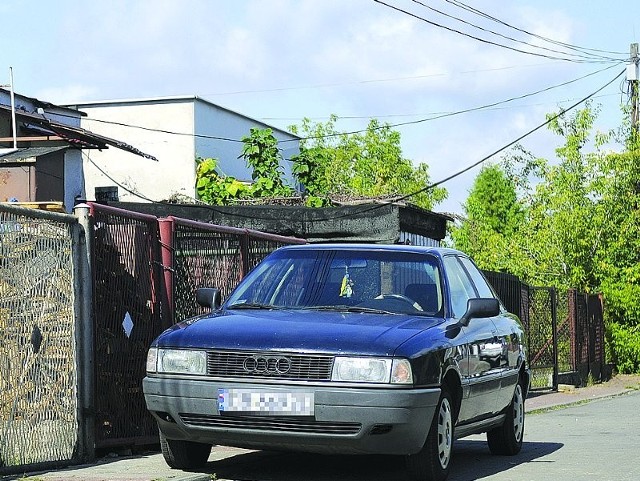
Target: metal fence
point(587, 333)
point(207, 255)
point(146, 272)
point(564, 330)
point(128, 312)
point(542, 339)
point(39, 395)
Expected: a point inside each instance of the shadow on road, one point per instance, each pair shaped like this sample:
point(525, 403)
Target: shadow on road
point(472, 460)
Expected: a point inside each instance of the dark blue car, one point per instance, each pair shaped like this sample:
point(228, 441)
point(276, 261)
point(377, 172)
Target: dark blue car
point(346, 348)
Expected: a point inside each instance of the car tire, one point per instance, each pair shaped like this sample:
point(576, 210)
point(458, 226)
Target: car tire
point(432, 462)
point(184, 454)
point(507, 439)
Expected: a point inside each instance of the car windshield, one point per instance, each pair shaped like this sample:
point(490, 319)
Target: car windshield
point(366, 281)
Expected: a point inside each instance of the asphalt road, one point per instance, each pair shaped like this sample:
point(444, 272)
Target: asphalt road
point(599, 440)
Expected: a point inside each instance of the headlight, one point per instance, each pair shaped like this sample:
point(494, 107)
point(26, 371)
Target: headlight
point(180, 361)
point(372, 370)
point(152, 359)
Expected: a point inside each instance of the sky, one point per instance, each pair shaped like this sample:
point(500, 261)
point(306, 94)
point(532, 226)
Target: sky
point(404, 62)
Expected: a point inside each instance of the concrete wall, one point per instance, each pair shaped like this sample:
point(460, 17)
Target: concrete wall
point(214, 121)
point(73, 178)
point(175, 130)
point(144, 126)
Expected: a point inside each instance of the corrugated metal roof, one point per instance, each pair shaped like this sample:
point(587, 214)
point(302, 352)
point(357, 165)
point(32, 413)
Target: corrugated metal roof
point(74, 135)
point(28, 155)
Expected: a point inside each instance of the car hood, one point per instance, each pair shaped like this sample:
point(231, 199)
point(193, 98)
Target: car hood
point(298, 331)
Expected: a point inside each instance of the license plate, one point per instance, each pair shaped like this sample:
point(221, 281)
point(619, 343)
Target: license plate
point(265, 402)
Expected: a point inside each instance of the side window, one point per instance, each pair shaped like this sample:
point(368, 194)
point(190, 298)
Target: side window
point(461, 289)
point(484, 290)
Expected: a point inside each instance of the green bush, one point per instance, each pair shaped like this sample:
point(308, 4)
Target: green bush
point(625, 347)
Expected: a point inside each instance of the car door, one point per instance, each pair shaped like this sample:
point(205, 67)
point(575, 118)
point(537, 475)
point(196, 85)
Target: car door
point(481, 370)
point(504, 351)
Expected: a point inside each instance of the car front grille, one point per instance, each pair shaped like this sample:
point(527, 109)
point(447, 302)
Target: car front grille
point(270, 423)
point(272, 365)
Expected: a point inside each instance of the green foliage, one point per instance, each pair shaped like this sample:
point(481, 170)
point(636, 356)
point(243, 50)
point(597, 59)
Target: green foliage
point(575, 222)
point(625, 344)
point(493, 216)
point(213, 188)
point(309, 167)
point(260, 151)
point(366, 164)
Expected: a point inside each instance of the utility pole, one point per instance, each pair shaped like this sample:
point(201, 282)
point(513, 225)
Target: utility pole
point(13, 108)
point(632, 78)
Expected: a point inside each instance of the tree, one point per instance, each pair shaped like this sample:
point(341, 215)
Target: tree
point(363, 164)
point(214, 188)
point(580, 223)
point(493, 216)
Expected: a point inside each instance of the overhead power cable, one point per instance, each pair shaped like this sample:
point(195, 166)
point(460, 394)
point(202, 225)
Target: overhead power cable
point(406, 196)
point(489, 42)
point(513, 142)
point(353, 132)
point(480, 13)
point(493, 154)
point(459, 112)
point(584, 55)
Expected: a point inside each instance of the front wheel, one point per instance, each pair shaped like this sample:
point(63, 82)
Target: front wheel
point(432, 462)
point(507, 439)
point(184, 454)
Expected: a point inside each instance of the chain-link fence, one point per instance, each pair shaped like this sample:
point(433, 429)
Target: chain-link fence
point(38, 379)
point(207, 255)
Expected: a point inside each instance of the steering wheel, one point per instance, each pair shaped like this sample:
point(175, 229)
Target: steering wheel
point(401, 297)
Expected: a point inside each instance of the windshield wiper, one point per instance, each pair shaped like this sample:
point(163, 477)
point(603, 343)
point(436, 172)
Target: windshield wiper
point(345, 308)
point(252, 305)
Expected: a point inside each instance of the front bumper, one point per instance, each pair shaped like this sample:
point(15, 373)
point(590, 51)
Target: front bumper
point(346, 419)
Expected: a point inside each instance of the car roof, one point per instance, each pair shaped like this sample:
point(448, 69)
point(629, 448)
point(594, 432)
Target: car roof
point(438, 251)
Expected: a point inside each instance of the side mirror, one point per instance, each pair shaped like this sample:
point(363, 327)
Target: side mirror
point(209, 297)
point(480, 308)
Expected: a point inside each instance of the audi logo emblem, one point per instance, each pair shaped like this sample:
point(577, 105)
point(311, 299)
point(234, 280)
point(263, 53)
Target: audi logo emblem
point(268, 365)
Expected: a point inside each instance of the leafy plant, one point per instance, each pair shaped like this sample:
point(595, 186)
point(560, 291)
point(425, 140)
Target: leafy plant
point(625, 344)
point(261, 152)
point(213, 188)
point(363, 164)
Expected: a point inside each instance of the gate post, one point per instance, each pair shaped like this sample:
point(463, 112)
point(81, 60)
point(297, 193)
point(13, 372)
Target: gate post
point(572, 310)
point(244, 253)
point(85, 323)
point(167, 229)
point(554, 330)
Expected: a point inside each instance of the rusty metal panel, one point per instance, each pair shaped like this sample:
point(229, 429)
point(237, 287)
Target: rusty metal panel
point(15, 184)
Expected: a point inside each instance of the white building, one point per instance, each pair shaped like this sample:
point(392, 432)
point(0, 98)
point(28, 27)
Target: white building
point(174, 130)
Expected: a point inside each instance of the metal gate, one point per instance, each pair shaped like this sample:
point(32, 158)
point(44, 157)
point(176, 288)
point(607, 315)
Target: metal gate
point(146, 271)
point(128, 301)
point(542, 344)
